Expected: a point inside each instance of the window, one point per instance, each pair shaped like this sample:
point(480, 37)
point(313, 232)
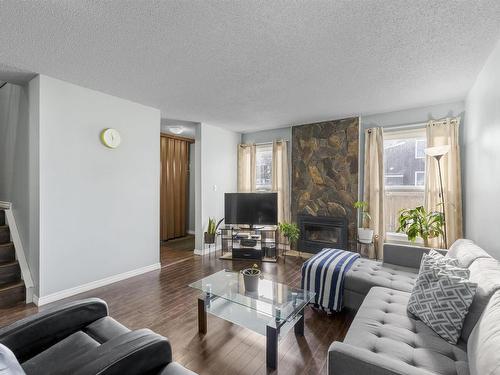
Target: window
point(419, 178)
point(419, 148)
point(394, 179)
point(404, 173)
point(263, 167)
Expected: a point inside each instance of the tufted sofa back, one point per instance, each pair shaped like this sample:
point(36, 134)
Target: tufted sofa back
point(484, 341)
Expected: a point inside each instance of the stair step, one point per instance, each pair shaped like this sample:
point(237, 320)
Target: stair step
point(4, 234)
point(7, 252)
point(9, 272)
point(2, 217)
point(12, 293)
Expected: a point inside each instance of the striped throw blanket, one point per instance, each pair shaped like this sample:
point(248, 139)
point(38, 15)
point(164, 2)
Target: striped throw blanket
point(324, 274)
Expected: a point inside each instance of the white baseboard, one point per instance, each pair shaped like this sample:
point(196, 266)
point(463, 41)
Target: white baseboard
point(39, 301)
point(206, 251)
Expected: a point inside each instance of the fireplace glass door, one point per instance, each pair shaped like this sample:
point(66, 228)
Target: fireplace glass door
point(322, 234)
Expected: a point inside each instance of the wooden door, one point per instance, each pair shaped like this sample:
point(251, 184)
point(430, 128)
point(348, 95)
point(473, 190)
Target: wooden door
point(174, 186)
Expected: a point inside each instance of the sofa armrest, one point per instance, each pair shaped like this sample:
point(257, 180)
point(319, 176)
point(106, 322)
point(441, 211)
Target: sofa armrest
point(29, 336)
point(136, 352)
point(404, 255)
point(345, 359)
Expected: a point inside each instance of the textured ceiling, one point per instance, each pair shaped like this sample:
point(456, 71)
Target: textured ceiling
point(249, 65)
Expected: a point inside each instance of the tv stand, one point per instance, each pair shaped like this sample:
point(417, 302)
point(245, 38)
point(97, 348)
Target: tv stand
point(252, 227)
point(264, 243)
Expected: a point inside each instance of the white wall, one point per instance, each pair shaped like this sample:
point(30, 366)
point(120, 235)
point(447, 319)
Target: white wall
point(34, 176)
point(218, 157)
point(482, 157)
point(14, 156)
point(99, 208)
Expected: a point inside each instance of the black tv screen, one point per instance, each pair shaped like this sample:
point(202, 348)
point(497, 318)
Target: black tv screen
point(251, 208)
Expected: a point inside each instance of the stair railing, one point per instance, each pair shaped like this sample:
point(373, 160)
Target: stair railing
point(18, 246)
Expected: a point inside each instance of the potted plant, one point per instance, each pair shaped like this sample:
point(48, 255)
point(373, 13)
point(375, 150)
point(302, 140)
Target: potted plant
point(209, 235)
point(417, 222)
point(290, 231)
point(365, 234)
point(251, 278)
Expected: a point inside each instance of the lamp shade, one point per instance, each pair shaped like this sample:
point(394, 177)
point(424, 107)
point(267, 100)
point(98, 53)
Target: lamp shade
point(437, 150)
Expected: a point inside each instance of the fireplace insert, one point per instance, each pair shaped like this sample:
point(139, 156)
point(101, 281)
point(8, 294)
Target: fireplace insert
point(318, 232)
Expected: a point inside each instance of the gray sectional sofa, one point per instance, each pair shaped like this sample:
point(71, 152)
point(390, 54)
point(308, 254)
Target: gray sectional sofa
point(385, 339)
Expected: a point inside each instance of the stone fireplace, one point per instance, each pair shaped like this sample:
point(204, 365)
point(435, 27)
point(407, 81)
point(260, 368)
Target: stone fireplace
point(318, 232)
point(325, 177)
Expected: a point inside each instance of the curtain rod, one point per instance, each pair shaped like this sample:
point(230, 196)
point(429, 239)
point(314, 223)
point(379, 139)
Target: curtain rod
point(270, 143)
point(405, 126)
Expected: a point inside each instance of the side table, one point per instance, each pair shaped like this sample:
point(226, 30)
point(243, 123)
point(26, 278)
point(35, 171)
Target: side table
point(363, 248)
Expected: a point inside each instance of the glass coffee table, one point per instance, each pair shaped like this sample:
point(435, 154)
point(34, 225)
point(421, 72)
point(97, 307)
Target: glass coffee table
point(271, 311)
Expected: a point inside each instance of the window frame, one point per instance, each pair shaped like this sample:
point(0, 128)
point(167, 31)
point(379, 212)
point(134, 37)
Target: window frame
point(416, 148)
point(419, 186)
point(416, 132)
point(268, 147)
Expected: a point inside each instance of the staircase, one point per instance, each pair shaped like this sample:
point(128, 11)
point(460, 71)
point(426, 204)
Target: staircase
point(12, 288)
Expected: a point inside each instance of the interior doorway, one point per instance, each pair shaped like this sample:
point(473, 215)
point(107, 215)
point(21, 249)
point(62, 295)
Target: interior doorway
point(175, 186)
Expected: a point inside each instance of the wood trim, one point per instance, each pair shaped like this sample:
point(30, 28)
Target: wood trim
point(190, 140)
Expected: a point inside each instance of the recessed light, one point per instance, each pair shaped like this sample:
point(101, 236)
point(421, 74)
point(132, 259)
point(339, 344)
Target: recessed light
point(176, 129)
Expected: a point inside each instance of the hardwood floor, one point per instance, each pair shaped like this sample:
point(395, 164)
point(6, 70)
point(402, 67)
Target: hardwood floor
point(162, 301)
point(174, 250)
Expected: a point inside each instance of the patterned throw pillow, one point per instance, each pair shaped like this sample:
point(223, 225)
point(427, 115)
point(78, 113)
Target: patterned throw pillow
point(442, 296)
point(440, 260)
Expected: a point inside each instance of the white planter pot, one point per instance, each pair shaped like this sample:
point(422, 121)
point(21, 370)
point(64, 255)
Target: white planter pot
point(365, 235)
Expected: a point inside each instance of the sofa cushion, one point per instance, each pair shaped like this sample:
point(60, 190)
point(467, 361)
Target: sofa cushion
point(105, 329)
point(466, 252)
point(48, 361)
point(366, 273)
point(484, 341)
point(485, 272)
point(438, 260)
point(383, 326)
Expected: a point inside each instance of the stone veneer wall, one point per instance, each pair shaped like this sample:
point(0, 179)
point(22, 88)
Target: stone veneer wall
point(325, 171)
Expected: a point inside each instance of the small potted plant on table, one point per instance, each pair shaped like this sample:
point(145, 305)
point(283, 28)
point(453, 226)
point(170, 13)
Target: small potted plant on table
point(251, 278)
point(365, 234)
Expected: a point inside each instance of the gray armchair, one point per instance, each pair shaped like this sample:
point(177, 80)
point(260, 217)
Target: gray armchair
point(80, 338)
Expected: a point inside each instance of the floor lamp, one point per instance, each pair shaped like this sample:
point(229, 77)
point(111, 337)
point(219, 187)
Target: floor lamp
point(437, 153)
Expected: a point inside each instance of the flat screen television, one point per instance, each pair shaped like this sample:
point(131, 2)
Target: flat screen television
point(251, 208)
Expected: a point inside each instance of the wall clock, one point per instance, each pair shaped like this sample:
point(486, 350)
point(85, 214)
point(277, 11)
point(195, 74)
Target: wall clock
point(111, 138)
